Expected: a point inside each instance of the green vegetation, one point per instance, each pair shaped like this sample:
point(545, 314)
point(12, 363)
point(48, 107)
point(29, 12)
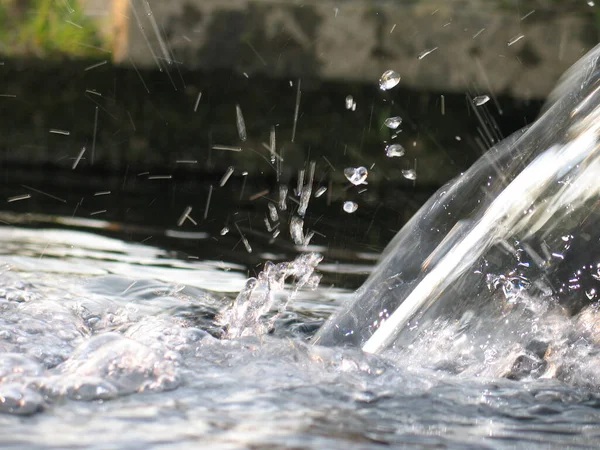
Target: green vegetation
point(47, 29)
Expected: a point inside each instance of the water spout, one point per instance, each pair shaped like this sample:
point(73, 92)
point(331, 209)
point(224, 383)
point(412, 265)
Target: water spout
point(525, 209)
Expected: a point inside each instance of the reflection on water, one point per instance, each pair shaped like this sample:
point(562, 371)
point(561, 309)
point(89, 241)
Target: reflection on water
point(105, 343)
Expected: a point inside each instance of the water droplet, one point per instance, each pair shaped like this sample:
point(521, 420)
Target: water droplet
point(394, 150)
point(481, 100)
point(388, 80)
point(590, 3)
point(350, 207)
point(241, 125)
point(515, 40)
point(320, 191)
point(409, 174)
point(356, 175)
point(427, 52)
point(393, 122)
point(350, 103)
point(458, 138)
point(224, 231)
point(296, 226)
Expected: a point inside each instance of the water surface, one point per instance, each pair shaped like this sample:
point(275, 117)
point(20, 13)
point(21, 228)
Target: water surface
point(107, 344)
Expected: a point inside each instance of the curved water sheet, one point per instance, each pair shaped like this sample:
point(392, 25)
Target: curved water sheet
point(508, 251)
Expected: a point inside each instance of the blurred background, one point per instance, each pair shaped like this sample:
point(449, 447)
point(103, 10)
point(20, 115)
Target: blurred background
point(177, 123)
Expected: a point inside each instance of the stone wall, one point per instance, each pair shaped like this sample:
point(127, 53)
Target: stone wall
point(356, 40)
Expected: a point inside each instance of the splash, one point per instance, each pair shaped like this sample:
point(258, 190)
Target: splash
point(246, 316)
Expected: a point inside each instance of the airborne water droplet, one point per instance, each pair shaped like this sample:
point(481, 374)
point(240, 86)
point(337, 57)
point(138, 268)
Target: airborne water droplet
point(409, 174)
point(241, 125)
point(296, 226)
point(356, 175)
point(224, 231)
point(350, 207)
point(481, 100)
point(393, 122)
point(350, 104)
point(394, 150)
point(320, 191)
point(388, 80)
point(515, 39)
point(423, 54)
point(273, 212)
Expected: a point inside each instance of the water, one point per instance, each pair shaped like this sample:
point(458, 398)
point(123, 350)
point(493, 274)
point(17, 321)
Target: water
point(393, 122)
point(350, 207)
point(109, 344)
point(356, 175)
point(389, 80)
point(409, 174)
point(481, 100)
point(498, 272)
point(105, 343)
point(394, 150)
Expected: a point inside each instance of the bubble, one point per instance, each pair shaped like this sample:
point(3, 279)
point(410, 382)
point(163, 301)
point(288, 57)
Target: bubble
point(409, 174)
point(389, 80)
point(350, 207)
point(481, 100)
point(394, 150)
point(393, 122)
point(356, 175)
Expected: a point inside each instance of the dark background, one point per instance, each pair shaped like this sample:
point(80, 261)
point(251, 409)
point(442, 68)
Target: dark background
point(140, 121)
